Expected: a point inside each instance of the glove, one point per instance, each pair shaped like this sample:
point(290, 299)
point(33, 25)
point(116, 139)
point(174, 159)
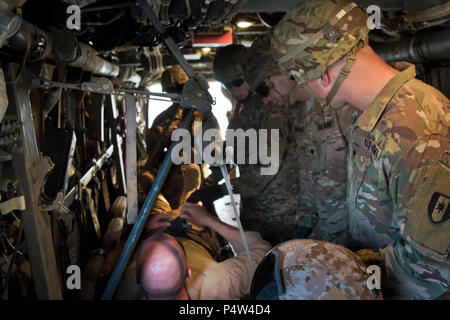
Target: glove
point(208, 194)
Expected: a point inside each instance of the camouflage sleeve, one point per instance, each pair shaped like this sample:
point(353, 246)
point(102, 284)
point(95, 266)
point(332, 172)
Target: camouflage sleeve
point(417, 266)
point(308, 216)
point(276, 119)
point(309, 161)
point(251, 181)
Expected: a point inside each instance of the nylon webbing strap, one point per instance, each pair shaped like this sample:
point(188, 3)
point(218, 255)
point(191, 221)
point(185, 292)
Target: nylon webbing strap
point(350, 60)
point(223, 168)
point(319, 35)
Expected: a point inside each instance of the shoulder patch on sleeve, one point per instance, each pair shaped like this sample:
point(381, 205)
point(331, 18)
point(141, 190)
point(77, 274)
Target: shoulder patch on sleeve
point(428, 220)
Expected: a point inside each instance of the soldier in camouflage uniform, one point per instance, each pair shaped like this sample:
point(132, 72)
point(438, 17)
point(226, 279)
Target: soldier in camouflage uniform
point(321, 148)
point(322, 152)
point(158, 138)
point(269, 202)
point(399, 161)
point(322, 135)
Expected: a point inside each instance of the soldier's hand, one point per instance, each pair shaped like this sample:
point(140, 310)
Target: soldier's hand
point(369, 257)
point(157, 221)
point(195, 214)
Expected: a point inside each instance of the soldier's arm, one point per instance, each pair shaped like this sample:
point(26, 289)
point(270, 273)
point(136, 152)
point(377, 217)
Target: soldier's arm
point(258, 116)
point(308, 216)
point(272, 119)
point(308, 162)
point(276, 119)
point(417, 266)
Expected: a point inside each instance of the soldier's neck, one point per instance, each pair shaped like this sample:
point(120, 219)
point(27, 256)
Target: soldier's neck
point(368, 77)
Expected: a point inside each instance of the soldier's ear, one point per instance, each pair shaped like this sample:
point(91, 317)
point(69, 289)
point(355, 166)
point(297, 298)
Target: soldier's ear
point(324, 80)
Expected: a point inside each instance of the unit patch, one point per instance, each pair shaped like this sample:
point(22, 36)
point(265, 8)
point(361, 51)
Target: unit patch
point(439, 208)
point(428, 220)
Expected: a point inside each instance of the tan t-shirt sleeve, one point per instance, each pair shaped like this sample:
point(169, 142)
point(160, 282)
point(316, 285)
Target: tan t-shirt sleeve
point(231, 279)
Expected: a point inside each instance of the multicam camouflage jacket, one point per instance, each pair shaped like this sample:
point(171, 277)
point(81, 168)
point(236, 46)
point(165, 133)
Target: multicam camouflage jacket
point(322, 135)
point(399, 186)
point(159, 136)
point(269, 202)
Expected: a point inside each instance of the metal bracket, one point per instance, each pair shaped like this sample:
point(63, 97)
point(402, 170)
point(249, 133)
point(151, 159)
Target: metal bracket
point(57, 204)
point(193, 97)
point(41, 169)
point(17, 203)
point(99, 85)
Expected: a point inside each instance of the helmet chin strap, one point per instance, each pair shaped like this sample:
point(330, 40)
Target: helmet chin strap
point(343, 74)
point(349, 61)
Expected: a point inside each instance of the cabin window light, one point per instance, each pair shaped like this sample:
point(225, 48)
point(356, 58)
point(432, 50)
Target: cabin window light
point(244, 24)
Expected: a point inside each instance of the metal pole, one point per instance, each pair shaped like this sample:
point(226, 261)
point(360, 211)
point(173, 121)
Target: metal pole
point(36, 223)
point(131, 159)
point(143, 216)
point(70, 197)
point(111, 116)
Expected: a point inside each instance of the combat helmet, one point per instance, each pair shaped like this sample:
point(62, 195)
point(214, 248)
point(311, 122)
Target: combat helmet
point(314, 34)
point(259, 65)
point(227, 65)
point(305, 269)
point(173, 79)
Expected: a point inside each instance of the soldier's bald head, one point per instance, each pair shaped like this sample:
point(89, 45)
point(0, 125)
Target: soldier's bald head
point(161, 267)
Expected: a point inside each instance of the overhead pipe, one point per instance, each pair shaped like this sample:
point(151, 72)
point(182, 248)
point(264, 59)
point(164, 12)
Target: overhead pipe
point(9, 25)
point(29, 35)
point(42, 44)
point(88, 60)
point(421, 47)
point(433, 13)
point(3, 96)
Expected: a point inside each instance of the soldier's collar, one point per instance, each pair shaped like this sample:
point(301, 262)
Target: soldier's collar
point(369, 118)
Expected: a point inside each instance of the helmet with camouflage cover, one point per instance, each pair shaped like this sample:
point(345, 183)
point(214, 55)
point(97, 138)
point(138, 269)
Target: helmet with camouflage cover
point(306, 269)
point(173, 79)
point(227, 65)
point(315, 34)
point(259, 65)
